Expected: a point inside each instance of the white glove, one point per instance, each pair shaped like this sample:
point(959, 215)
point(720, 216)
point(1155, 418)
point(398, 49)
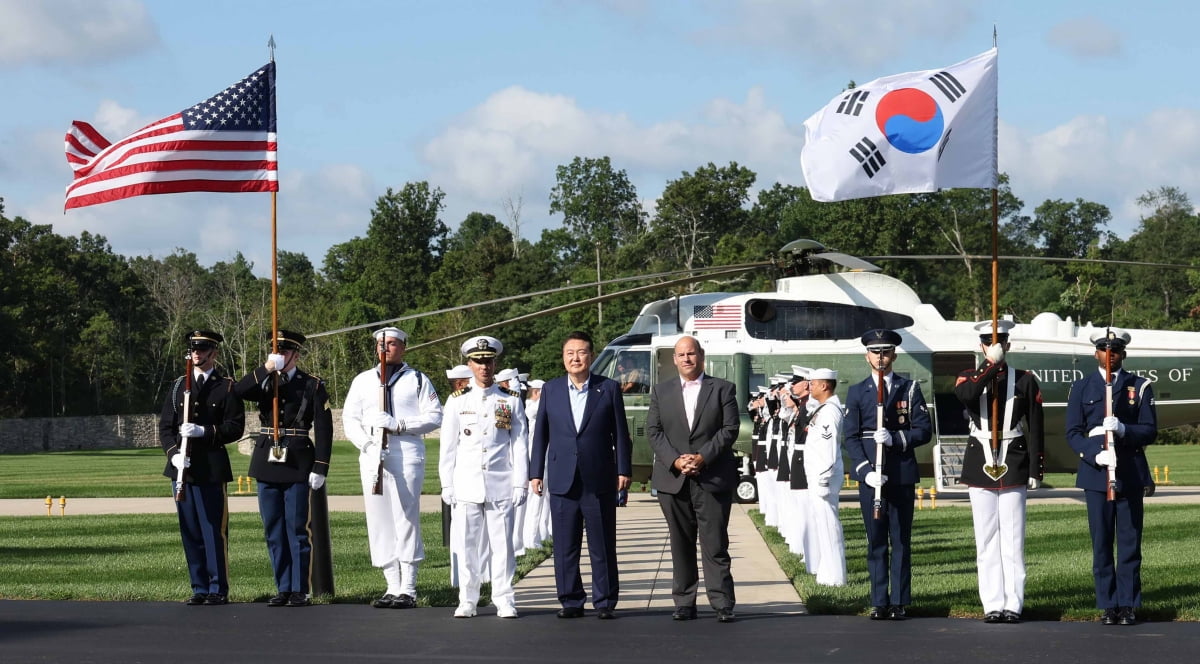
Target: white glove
point(518, 496)
point(821, 489)
point(190, 430)
point(994, 353)
point(315, 481)
point(180, 462)
point(372, 449)
point(883, 436)
point(448, 497)
point(1107, 458)
point(1111, 423)
point(275, 360)
point(875, 479)
point(381, 420)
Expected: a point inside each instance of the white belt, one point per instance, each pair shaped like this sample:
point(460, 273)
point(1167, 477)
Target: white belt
point(986, 436)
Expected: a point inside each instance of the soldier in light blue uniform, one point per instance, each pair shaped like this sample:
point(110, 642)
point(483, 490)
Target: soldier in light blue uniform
point(906, 425)
point(1134, 425)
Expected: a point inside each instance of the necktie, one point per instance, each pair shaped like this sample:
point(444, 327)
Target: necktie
point(199, 381)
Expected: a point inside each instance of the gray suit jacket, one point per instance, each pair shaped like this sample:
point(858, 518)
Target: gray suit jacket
point(713, 435)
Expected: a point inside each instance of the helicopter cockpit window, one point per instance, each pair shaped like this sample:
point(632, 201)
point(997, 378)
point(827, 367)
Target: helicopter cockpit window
point(800, 320)
point(630, 368)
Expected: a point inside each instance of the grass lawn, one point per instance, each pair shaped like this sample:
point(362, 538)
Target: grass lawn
point(1058, 564)
point(1183, 461)
point(138, 557)
point(138, 473)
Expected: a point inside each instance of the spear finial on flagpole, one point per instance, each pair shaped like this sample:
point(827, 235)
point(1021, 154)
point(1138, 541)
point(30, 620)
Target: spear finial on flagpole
point(271, 46)
point(994, 43)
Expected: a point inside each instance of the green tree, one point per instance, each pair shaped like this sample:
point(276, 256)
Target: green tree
point(599, 204)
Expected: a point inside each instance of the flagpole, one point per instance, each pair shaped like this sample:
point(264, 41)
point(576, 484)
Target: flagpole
point(274, 296)
point(996, 281)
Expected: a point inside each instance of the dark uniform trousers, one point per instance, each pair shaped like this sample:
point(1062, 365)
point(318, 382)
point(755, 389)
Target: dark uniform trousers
point(204, 511)
point(283, 490)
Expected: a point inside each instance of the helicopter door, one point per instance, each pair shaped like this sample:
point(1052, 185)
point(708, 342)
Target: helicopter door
point(950, 426)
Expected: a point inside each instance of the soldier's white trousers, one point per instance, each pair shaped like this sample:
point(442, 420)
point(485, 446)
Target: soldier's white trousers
point(394, 518)
point(492, 522)
point(999, 516)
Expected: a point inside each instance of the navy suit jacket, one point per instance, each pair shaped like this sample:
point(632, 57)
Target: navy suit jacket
point(1133, 404)
point(904, 414)
point(599, 451)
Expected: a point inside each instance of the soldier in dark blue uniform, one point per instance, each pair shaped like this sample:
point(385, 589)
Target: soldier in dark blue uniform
point(215, 418)
point(906, 425)
point(288, 472)
point(1133, 425)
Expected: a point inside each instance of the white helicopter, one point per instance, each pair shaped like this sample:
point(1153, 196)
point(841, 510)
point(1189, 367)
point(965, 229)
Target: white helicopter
point(815, 318)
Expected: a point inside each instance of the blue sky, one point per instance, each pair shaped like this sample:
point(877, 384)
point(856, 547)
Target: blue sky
point(484, 99)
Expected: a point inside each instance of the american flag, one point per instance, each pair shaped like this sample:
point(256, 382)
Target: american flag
point(226, 143)
point(717, 316)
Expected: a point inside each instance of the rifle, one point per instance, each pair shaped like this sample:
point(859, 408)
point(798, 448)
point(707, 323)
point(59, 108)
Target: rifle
point(1108, 435)
point(377, 488)
point(181, 475)
point(879, 446)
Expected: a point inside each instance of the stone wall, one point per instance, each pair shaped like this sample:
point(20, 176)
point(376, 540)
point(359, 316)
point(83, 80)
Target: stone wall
point(101, 432)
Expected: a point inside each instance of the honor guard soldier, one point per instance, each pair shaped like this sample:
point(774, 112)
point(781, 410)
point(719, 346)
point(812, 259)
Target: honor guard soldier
point(795, 527)
point(292, 466)
point(825, 551)
point(459, 377)
point(997, 470)
point(386, 416)
point(202, 409)
point(1110, 421)
point(537, 513)
point(483, 468)
point(887, 490)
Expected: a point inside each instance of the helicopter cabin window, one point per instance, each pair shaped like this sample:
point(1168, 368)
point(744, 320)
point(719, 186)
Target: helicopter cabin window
point(791, 320)
point(630, 368)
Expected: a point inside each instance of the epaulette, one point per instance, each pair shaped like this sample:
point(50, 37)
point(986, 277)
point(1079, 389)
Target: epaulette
point(459, 393)
point(511, 393)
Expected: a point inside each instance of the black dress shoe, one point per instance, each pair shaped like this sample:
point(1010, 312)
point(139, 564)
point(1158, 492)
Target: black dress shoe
point(570, 612)
point(403, 601)
point(605, 614)
point(1126, 616)
point(1012, 617)
point(1109, 617)
point(897, 613)
point(384, 602)
point(993, 617)
point(197, 599)
point(684, 613)
point(299, 599)
point(279, 599)
point(725, 615)
point(878, 613)
point(215, 599)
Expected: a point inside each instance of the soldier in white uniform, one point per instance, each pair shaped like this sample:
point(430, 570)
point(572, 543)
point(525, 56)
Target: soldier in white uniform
point(410, 410)
point(823, 471)
point(537, 512)
point(484, 468)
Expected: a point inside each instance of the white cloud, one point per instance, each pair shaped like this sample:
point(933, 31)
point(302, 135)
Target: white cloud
point(516, 138)
point(1093, 160)
point(1085, 37)
point(864, 33)
point(73, 31)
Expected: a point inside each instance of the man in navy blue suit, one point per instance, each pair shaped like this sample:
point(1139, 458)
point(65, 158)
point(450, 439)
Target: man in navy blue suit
point(905, 426)
point(581, 448)
point(1132, 425)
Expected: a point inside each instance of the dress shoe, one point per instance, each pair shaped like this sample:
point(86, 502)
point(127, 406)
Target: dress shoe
point(605, 614)
point(878, 613)
point(279, 599)
point(197, 599)
point(897, 613)
point(993, 617)
point(1109, 617)
point(384, 602)
point(570, 612)
point(1126, 616)
point(403, 601)
point(465, 610)
point(725, 615)
point(684, 613)
point(215, 599)
point(1012, 617)
point(299, 599)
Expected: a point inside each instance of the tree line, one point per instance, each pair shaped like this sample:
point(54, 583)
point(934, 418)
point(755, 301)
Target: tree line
point(86, 331)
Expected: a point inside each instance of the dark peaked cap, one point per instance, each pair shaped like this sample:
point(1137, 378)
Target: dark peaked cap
point(880, 338)
point(200, 339)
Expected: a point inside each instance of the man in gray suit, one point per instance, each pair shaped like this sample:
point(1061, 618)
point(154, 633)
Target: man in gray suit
point(692, 423)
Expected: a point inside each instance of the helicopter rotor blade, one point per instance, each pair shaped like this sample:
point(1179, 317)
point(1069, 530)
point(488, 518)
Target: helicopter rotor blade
point(1044, 259)
point(846, 260)
point(602, 298)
